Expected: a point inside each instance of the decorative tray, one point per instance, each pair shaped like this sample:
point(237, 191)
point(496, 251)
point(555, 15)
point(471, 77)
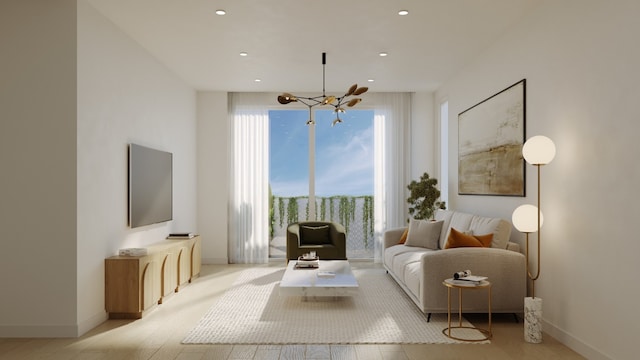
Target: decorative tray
point(300, 258)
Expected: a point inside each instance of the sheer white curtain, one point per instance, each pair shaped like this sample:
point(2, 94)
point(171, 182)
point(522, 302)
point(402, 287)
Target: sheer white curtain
point(249, 187)
point(392, 115)
point(249, 181)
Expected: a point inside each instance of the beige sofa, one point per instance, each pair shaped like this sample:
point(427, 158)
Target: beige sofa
point(421, 270)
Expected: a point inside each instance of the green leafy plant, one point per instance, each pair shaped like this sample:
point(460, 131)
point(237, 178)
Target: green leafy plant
point(423, 200)
point(281, 210)
point(341, 208)
point(292, 210)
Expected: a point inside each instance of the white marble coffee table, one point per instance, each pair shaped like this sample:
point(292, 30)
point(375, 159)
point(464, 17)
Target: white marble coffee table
point(312, 283)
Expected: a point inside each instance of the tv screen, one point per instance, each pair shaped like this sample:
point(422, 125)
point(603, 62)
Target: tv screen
point(150, 186)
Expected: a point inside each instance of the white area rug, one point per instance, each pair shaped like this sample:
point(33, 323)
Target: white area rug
point(253, 312)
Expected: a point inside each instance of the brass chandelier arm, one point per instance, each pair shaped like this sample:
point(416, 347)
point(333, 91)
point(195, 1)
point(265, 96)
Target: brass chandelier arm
point(336, 102)
point(301, 99)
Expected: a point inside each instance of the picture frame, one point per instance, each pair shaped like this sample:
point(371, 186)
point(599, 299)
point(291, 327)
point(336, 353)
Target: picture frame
point(490, 139)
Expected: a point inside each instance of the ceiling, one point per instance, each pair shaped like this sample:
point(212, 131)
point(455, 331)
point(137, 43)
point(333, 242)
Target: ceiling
point(285, 39)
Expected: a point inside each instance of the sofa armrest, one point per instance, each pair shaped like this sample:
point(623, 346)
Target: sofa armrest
point(505, 269)
point(392, 236)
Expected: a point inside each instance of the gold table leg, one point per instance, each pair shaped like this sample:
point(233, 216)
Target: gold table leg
point(488, 333)
point(449, 310)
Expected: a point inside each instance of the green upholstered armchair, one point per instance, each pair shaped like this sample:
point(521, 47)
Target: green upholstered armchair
point(327, 239)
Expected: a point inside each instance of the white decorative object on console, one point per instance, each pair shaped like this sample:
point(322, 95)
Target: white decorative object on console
point(133, 252)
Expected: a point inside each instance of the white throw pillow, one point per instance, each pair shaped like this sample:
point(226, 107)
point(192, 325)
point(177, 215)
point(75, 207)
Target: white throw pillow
point(423, 233)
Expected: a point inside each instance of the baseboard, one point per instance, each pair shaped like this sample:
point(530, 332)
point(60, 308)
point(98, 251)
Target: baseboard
point(38, 331)
point(92, 322)
point(572, 342)
point(52, 331)
point(215, 261)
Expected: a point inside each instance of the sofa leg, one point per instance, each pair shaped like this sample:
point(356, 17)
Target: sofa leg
point(428, 317)
point(515, 317)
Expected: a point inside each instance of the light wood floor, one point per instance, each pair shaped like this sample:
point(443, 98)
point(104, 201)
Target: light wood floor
point(158, 336)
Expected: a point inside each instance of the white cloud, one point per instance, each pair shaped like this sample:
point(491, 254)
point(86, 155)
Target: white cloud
point(346, 169)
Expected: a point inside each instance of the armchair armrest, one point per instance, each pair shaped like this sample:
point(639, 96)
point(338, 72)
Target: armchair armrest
point(338, 236)
point(293, 239)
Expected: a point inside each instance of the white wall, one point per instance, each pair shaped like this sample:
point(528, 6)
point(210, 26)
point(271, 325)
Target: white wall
point(580, 60)
point(38, 176)
point(75, 92)
point(213, 175)
point(423, 136)
point(124, 96)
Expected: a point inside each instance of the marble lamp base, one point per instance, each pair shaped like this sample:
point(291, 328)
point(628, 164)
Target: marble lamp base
point(533, 320)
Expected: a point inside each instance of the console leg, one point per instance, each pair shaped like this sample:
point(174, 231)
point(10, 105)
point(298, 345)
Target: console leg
point(515, 317)
point(428, 317)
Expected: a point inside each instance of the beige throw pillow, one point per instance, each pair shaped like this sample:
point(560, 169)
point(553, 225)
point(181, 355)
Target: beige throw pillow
point(423, 233)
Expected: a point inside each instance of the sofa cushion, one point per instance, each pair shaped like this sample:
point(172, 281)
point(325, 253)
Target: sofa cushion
point(393, 253)
point(460, 221)
point(401, 261)
point(460, 239)
point(423, 233)
point(445, 216)
point(477, 225)
point(314, 235)
point(500, 228)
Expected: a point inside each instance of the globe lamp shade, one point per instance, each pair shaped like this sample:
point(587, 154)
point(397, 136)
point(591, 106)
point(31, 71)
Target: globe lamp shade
point(525, 218)
point(539, 150)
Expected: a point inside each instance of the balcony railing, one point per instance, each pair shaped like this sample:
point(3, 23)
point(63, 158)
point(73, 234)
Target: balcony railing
point(355, 213)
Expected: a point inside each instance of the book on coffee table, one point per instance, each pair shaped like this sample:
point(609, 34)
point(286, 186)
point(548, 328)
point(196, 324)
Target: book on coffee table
point(326, 274)
point(307, 263)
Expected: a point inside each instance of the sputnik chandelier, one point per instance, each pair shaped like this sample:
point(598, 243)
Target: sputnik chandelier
point(336, 102)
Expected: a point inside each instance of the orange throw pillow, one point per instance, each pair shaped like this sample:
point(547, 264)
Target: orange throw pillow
point(459, 239)
point(403, 238)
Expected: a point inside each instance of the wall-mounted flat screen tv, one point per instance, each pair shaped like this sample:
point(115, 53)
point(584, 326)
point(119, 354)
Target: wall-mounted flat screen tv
point(150, 186)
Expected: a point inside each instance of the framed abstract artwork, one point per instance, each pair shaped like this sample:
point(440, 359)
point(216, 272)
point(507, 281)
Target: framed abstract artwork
point(490, 138)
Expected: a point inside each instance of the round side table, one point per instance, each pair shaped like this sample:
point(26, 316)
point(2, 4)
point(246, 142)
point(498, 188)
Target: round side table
point(450, 284)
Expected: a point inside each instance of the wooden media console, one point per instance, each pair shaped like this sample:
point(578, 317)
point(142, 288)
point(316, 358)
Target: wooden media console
point(135, 284)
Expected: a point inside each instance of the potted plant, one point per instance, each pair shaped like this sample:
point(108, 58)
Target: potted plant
point(423, 200)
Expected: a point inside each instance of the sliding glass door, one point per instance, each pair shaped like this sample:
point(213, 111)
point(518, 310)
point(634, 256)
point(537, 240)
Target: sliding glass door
point(322, 172)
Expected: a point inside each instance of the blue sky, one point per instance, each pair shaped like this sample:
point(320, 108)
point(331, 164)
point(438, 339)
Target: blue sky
point(344, 153)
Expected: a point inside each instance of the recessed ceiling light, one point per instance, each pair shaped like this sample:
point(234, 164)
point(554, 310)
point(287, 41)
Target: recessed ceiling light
point(243, 54)
point(403, 12)
point(383, 54)
point(257, 80)
point(220, 12)
point(371, 80)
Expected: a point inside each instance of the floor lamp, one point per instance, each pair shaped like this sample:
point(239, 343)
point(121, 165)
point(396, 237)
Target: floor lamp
point(537, 151)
